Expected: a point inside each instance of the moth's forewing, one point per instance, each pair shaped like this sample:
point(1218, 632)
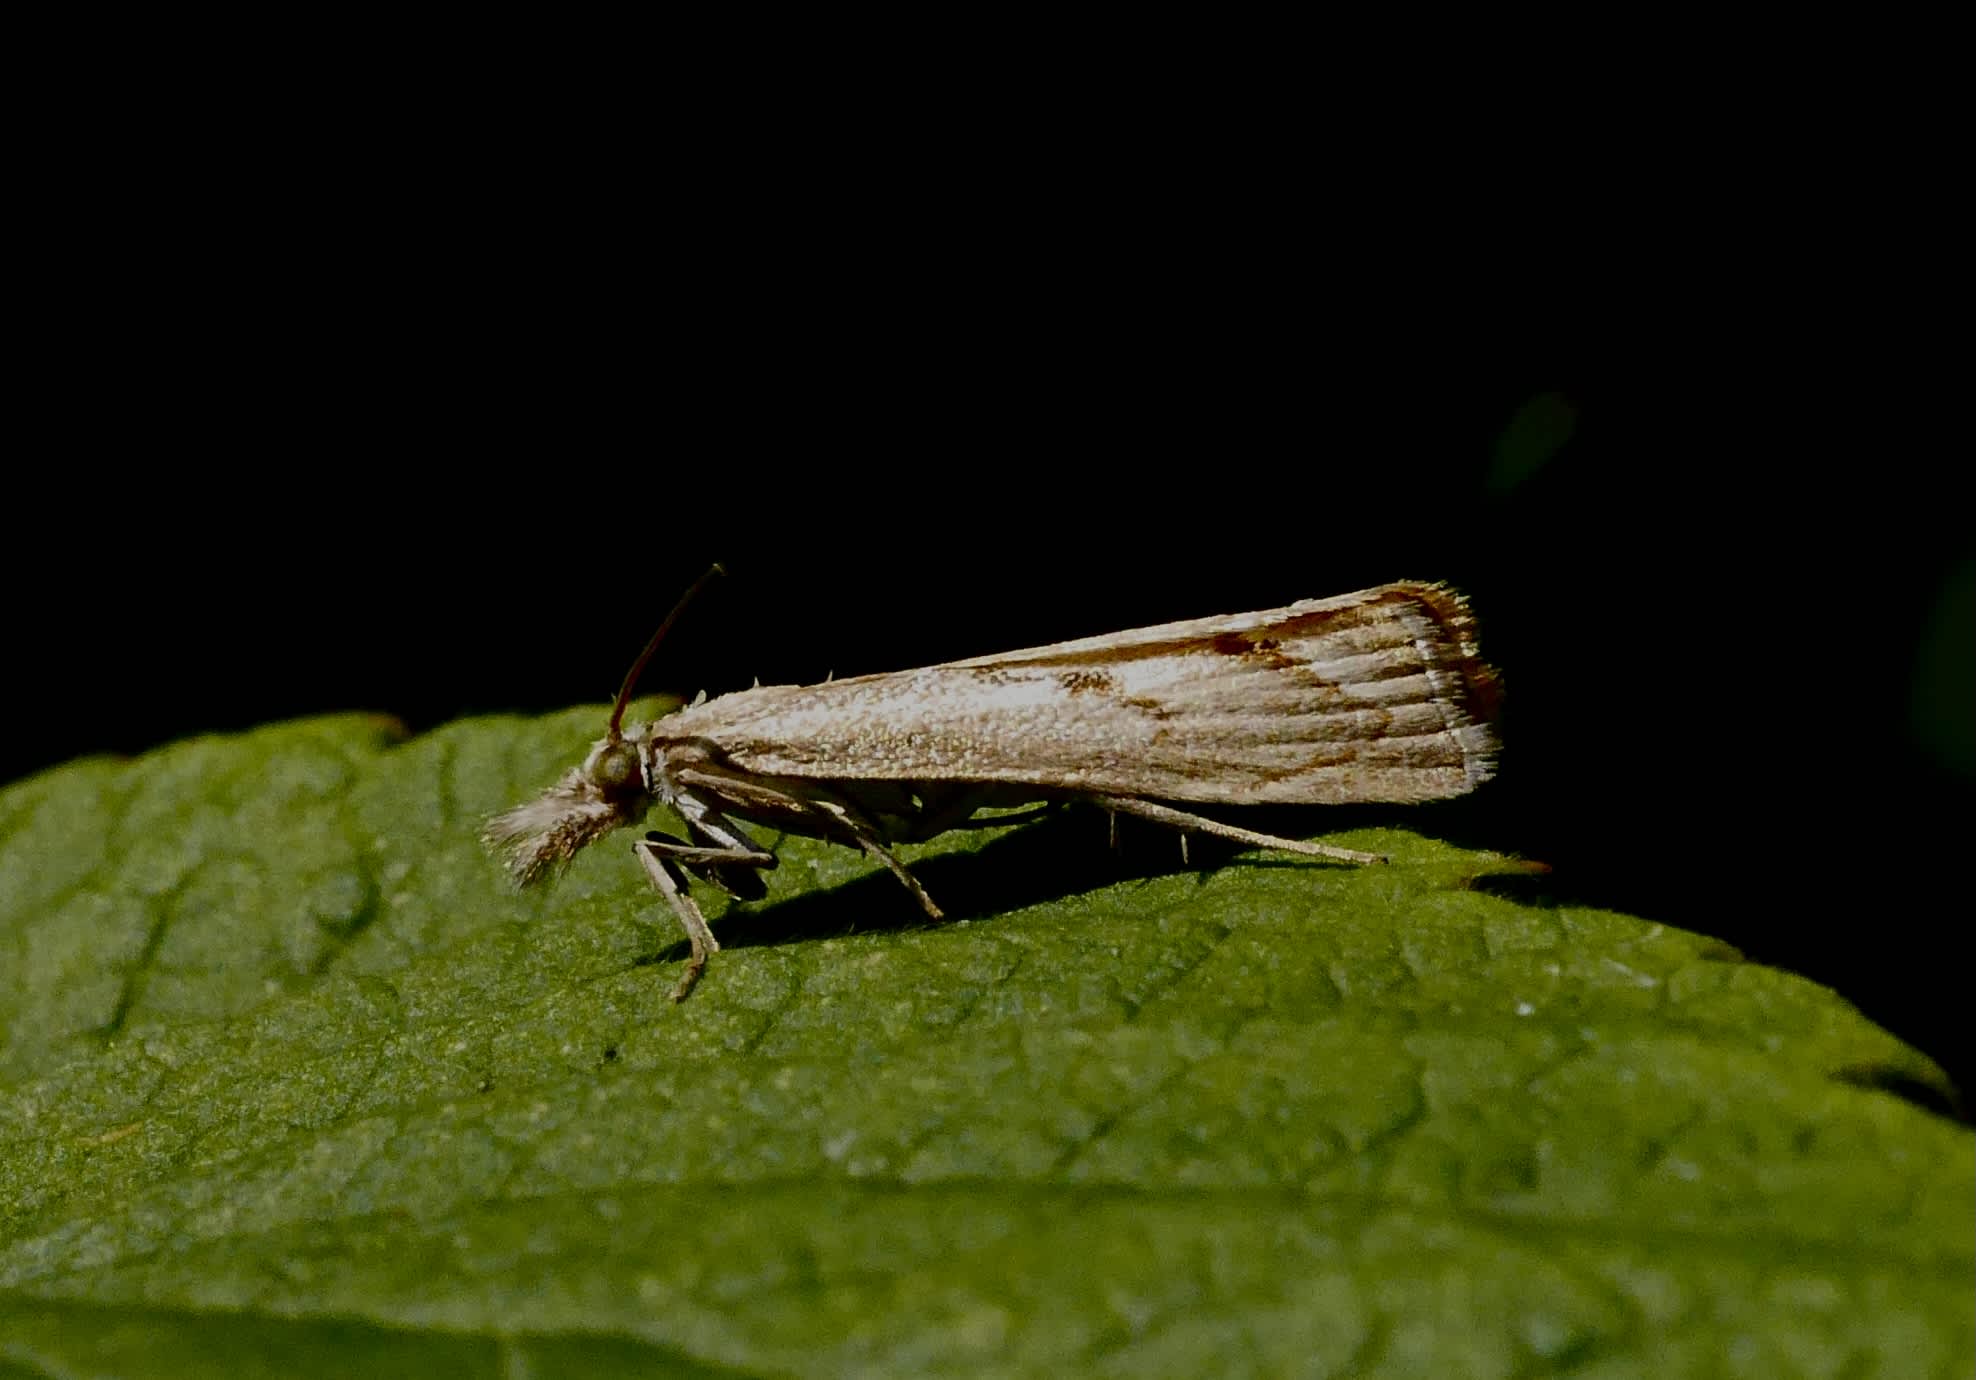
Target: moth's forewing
point(1374, 696)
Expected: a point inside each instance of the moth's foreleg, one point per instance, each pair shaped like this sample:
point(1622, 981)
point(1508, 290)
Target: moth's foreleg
point(721, 851)
point(666, 877)
point(720, 854)
point(731, 846)
point(691, 855)
point(1181, 819)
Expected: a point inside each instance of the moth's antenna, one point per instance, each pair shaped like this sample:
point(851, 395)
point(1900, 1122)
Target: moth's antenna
point(638, 666)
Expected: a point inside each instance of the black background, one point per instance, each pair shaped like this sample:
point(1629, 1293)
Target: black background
point(432, 447)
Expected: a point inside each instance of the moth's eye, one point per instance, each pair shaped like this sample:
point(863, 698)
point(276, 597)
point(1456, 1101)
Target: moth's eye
point(617, 771)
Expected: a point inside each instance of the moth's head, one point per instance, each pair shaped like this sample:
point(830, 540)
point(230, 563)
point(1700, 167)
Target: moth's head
point(608, 791)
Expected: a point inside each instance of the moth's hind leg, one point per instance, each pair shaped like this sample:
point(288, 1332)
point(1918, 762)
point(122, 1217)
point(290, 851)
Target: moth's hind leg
point(1181, 819)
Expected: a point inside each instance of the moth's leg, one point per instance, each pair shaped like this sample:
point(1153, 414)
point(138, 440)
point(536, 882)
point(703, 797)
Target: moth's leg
point(875, 849)
point(738, 874)
point(691, 855)
point(729, 858)
point(1180, 819)
point(733, 846)
point(665, 876)
point(663, 856)
point(867, 838)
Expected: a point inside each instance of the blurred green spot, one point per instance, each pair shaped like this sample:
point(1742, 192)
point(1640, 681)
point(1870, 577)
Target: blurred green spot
point(1943, 706)
point(1537, 432)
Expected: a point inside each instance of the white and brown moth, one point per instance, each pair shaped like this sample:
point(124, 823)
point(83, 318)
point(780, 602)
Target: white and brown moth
point(1373, 696)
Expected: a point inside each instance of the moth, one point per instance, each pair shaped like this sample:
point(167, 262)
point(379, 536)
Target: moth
point(1379, 695)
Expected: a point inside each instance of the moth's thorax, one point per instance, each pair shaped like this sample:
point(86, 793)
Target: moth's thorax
point(661, 752)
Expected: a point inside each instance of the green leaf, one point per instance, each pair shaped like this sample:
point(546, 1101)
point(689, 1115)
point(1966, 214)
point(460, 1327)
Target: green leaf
point(290, 1083)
